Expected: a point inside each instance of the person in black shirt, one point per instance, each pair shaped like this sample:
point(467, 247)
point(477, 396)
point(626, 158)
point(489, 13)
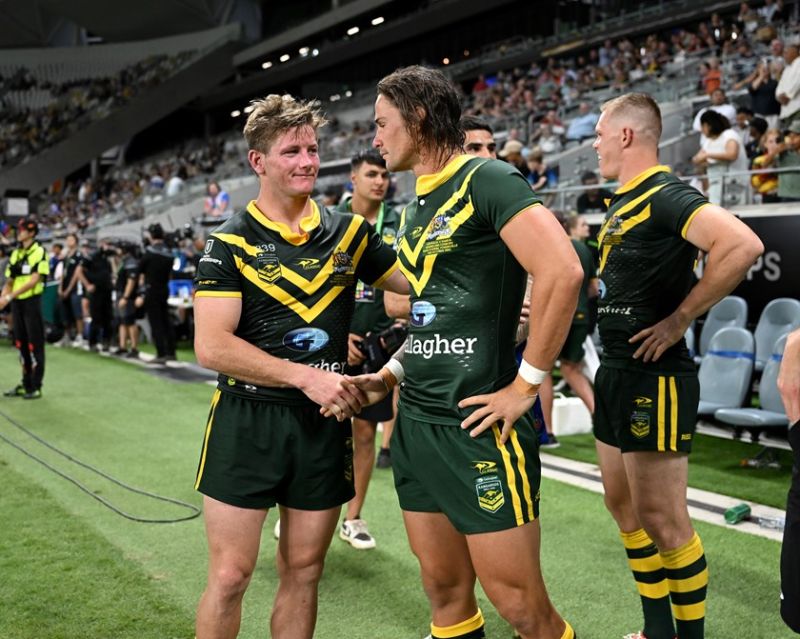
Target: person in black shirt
point(156, 268)
point(68, 295)
point(592, 200)
point(95, 275)
point(126, 285)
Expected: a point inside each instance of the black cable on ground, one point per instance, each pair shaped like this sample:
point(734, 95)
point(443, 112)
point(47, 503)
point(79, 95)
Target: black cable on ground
point(195, 512)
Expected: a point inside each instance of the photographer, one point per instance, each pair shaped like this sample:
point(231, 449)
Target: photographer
point(367, 344)
point(26, 272)
point(155, 268)
point(95, 274)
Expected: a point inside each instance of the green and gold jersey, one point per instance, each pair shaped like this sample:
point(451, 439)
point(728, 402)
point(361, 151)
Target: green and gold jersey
point(370, 315)
point(589, 272)
point(646, 265)
point(466, 286)
point(297, 289)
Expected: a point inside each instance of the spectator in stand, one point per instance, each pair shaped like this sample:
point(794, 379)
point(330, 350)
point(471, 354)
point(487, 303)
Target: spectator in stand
point(788, 90)
point(721, 152)
point(582, 126)
point(478, 137)
point(176, 182)
point(719, 103)
point(541, 175)
point(218, 202)
point(766, 184)
point(547, 141)
point(758, 127)
point(712, 78)
point(761, 87)
point(593, 200)
point(512, 153)
point(744, 115)
point(787, 155)
point(480, 84)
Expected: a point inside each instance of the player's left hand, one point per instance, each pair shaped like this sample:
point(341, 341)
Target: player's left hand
point(504, 407)
point(658, 338)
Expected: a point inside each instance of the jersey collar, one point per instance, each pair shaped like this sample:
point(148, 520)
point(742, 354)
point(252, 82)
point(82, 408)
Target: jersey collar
point(633, 183)
point(427, 183)
point(307, 224)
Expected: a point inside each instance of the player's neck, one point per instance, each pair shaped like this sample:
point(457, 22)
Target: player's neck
point(365, 207)
point(286, 210)
point(633, 166)
point(430, 164)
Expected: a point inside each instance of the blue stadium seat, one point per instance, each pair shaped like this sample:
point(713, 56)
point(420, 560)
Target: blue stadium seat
point(726, 370)
point(780, 316)
point(729, 311)
point(771, 414)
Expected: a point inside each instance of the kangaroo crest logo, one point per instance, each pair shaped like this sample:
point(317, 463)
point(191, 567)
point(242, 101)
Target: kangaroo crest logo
point(490, 493)
point(269, 268)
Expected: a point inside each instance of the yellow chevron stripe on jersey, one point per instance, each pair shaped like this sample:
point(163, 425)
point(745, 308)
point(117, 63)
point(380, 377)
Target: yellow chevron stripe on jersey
point(414, 255)
point(277, 293)
point(626, 209)
point(307, 224)
point(626, 226)
point(309, 287)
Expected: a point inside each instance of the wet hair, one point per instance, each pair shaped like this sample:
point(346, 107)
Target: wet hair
point(716, 122)
point(274, 115)
point(474, 123)
point(367, 156)
point(430, 107)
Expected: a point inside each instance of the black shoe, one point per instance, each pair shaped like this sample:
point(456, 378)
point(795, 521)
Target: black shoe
point(159, 360)
point(119, 352)
point(551, 442)
point(132, 354)
point(384, 459)
point(36, 394)
point(17, 391)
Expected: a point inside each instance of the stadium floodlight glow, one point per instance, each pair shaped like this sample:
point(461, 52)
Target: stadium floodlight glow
point(315, 52)
point(348, 93)
point(304, 51)
point(466, 53)
point(266, 65)
point(445, 61)
point(335, 97)
point(377, 21)
point(236, 113)
point(249, 108)
point(353, 30)
point(285, 57)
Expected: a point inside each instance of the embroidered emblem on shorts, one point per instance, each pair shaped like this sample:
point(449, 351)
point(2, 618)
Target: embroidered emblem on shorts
point(269, 268)
point(642, 402)
point(490, 493)
point(640, 425)
point(484, 467)
point(686, 437)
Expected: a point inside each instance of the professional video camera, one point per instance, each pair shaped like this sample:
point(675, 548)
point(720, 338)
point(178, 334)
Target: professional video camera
point(173, 238)
point(378, 347)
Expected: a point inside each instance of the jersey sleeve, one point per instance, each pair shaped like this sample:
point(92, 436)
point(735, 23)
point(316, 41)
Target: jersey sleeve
point(499, 193)
point(586, 260)
point(677, 203)
point(378, 261)
point(217, 272)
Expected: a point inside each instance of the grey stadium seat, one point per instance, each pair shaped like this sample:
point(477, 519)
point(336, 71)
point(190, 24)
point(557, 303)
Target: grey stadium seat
point(726, 370)
point(771, 413)
point(729, 311)
point(780, 316)
point(689, 337)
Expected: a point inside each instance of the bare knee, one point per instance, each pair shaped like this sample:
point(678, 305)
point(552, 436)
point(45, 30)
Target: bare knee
point(230, 581)
point(301, 570)
point(445, 588)
point(619, 505)
point(666, 530)
point(363, 435)
point(522, 610)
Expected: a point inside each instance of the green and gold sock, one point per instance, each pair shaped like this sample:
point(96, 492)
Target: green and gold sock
point(687, 576)
point(651, 580)
point(471, 628)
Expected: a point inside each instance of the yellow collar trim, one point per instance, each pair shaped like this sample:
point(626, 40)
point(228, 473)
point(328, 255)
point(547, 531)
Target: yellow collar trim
point(632, 184)
point(307, 224)
point(427, 183)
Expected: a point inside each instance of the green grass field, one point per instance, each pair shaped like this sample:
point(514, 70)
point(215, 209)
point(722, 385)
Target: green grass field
point(70, 568)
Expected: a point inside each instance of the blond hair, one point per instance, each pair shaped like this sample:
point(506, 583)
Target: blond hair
point(636, 107)
point(274, 115)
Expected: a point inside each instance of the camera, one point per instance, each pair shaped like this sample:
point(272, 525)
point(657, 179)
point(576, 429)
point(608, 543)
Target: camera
point(377, 348)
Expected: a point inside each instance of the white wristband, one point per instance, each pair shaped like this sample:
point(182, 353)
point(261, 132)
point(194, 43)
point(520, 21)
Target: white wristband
point(396, 369)
point(531, 374)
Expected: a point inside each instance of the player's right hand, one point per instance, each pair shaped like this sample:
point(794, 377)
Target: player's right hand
point(335, 395)
point(371, 385)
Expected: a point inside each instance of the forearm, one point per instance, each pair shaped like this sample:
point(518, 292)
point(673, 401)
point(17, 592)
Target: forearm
point(397, 306)
point(553, 303)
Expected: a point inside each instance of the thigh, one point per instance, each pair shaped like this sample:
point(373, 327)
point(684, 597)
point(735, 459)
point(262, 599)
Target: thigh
point(442, 551)
point(658, 483)
point(479, 483)
point(233, 533)
point(305, 536)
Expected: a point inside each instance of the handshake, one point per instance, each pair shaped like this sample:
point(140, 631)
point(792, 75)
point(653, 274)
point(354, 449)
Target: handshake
point(344, 396)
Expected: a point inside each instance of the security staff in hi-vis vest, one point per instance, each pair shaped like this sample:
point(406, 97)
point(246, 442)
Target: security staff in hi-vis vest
point(25, 275)
point(646, 389)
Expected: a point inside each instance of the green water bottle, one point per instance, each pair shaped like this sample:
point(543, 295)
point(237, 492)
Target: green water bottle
point(737, 513)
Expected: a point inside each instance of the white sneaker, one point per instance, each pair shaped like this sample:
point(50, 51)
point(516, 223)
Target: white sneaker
point(77, 342)
point(276, 532)
point(355, 533)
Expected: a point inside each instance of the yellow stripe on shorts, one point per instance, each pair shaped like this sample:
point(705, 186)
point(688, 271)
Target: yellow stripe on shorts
point(214, 401)
point(662, 401)
point(673, 415)
point(526, 484)
point(511, 479)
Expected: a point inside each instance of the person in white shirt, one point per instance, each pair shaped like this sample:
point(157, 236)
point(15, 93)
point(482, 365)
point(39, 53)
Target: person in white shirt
point(721, 151)
point(719, 103)
point(788, 90)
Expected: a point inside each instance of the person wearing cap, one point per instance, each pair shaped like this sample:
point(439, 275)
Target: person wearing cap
point(512, 153)
point(25, 275)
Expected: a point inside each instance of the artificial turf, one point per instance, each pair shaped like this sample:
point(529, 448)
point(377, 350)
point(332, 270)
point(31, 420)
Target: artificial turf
point(70, 568)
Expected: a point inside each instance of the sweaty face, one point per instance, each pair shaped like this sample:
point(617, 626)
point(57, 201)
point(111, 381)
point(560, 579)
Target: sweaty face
point(608, 145)
point(480, 143)
point(392, 138)
point(292, 163)
point(370, 182)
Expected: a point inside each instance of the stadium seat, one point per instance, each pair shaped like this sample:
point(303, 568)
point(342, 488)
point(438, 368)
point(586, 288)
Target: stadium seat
point(780, 316)
point(729, 311)
point(725, 370)
point(689, 337)
point(771, 414)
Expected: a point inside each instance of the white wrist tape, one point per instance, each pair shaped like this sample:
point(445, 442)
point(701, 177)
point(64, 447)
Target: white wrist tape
point(396, 369)
point(531, 374)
